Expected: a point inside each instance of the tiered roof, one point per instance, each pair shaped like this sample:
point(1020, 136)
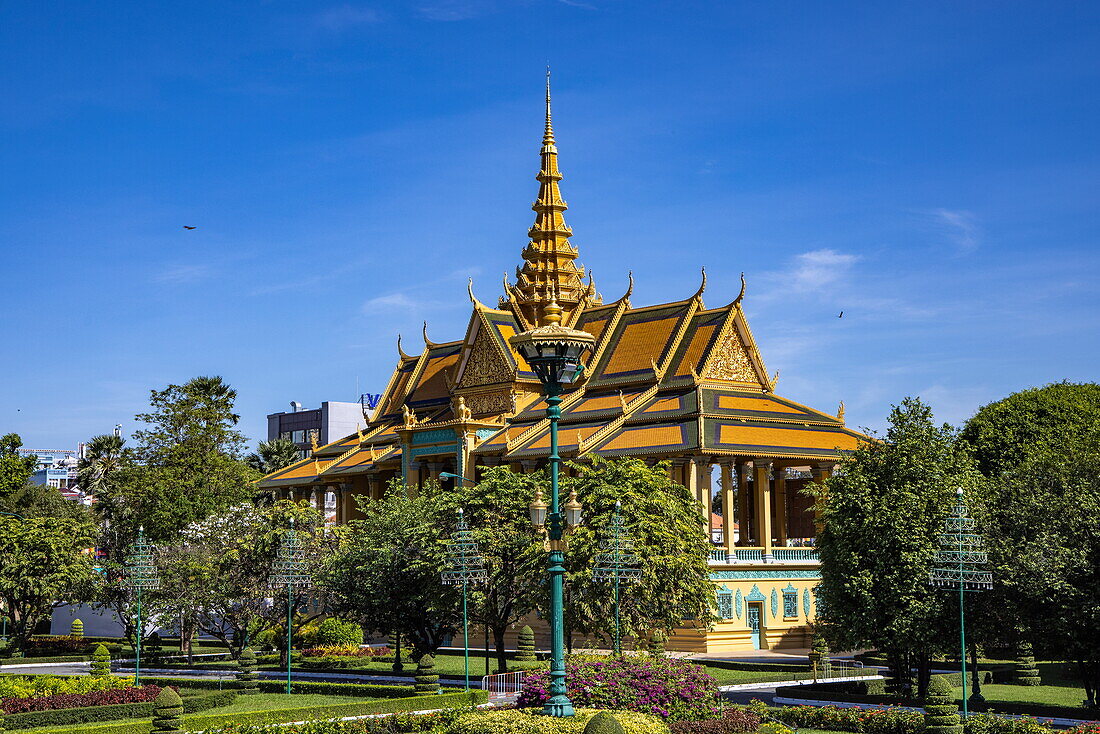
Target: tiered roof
point(669, 380)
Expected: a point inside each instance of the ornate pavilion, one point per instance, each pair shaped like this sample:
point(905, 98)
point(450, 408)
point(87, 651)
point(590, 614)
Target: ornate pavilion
point(681, 382)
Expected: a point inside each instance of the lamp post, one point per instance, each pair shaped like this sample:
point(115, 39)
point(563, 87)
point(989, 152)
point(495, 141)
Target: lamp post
point(617, 562)
point(290, 572)
point(960, 561)
point(554, 353)
point(140, 574)
point(464, 566)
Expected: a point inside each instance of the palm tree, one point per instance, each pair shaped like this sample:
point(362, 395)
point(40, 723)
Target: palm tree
point(273, 455)
point(103, 456)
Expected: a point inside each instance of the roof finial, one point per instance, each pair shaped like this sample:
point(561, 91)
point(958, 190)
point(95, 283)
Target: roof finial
point(548, 136)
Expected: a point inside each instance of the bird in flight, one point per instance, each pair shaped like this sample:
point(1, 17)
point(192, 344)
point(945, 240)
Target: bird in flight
point(187, 227)
point(841, 315)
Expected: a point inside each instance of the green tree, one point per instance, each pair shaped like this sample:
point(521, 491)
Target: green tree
point(44, 565)
point(15, 470)
point(1003, 433)
point(387, 570)
point(496, 511)
point(882, 514)
point(273, 455)
point(187, 464)
point(666, 527)
point(104, 456)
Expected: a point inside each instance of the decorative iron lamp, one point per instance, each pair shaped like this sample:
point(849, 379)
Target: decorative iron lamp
point(554, 353)
point(573, 511)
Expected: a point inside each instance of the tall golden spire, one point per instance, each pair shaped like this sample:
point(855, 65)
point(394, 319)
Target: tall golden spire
point(549, 272)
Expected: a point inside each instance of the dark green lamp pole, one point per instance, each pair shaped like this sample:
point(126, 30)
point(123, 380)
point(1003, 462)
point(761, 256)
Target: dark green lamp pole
point(554, 353)
point(464, 566)
point(290, 573)
point(961, 561)
point(140, 574)
point(617, 562)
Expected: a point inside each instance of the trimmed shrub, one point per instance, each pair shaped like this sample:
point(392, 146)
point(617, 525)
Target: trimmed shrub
point(168, 708)
point(819, 651)
point(101, 662)
point(734, 720)
point(525, 645)
point(530, 722)
point(864, 721)
point(426, 679)
point(76, 628)
point(336, 631)
point(603, 723)
point(656, 645)
point(670, 688)
point(37, 686)
point(1026, 674)
point(941, 714)
point(247, 678)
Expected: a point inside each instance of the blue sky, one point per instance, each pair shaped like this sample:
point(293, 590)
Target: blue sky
point(930, 169)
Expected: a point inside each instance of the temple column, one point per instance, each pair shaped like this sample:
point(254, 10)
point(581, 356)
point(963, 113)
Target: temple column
point(706, 493)
point(743, 523)
point(727, 505)
point(374, 487)
point(762, 502)
point(692, 483)
point(781, 506)
point(319, 500)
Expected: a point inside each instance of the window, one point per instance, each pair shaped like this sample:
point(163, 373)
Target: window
point(725, 605)
point(790, 604)
point(298, 437)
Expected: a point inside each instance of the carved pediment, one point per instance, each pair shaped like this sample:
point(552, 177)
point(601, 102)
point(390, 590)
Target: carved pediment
point(730, 360)
point(487, 364)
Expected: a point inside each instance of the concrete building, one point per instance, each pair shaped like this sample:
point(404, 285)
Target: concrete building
point(315, 426)
point(56, 467)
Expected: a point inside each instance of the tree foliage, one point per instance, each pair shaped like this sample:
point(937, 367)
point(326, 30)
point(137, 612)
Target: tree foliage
point(387, 570)
point(883, 512)
point(273, 455)
point(669, 536)
point(15, 470)
point(44, 565)
point(104, 456)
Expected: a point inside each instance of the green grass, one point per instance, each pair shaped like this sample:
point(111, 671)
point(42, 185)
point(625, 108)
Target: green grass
point(726, 677)
point(1056, 695)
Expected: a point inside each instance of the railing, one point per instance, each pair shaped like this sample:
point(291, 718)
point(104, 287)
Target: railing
point(756, 555)
point(503, 687)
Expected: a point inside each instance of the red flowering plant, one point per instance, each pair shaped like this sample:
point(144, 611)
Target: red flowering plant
point(79, 700)
point(675, 690)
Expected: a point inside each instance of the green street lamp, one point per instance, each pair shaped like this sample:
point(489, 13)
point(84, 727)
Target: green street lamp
point(139, 574)
point(464, 566)
point(290, 573)
point(961, 561)
point(554, 353)
point(617, 562)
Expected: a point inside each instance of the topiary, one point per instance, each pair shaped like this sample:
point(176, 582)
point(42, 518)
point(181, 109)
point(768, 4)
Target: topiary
point(247, 677)
point(76, 629)
point(941, 713)
point(1026, 674)
point(657, 643)
point(426, 679)
point(604, 723)
point(1, 721)
point(525, 644)
point(101, 661)
point(168, 708)
point(819, 651)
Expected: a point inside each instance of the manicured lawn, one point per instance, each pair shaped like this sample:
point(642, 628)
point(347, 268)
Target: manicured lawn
point(727, 677)
point(1056, 695)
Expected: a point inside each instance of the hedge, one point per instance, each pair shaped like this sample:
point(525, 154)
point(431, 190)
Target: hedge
point(87, 714)
point(46, 659)
point(326, 688)
point(198, 723)
point(849, 692)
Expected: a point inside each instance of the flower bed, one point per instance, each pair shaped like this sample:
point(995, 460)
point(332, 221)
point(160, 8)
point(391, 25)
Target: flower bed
point(899, 721)
point(79, 700)
point(345, 651)
point(672, 689)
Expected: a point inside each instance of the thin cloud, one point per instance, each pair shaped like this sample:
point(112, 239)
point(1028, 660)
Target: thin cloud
point(391, 301)
point(452, 10)
point(959, 227)
point(183, 274)
point(577, 4)
point(819, 270)
point(343, 17)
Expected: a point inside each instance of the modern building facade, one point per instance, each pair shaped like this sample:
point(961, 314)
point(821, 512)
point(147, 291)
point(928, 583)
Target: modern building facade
point(681, 383)
point(316, 426)
point(56, 467)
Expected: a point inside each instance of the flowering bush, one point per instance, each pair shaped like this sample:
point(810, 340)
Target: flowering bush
point(37, 686)
point(862, 721)
point(353, 651)
point(79, 700)
point(733, 721)
point(1093, 727)
point(672, 689)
